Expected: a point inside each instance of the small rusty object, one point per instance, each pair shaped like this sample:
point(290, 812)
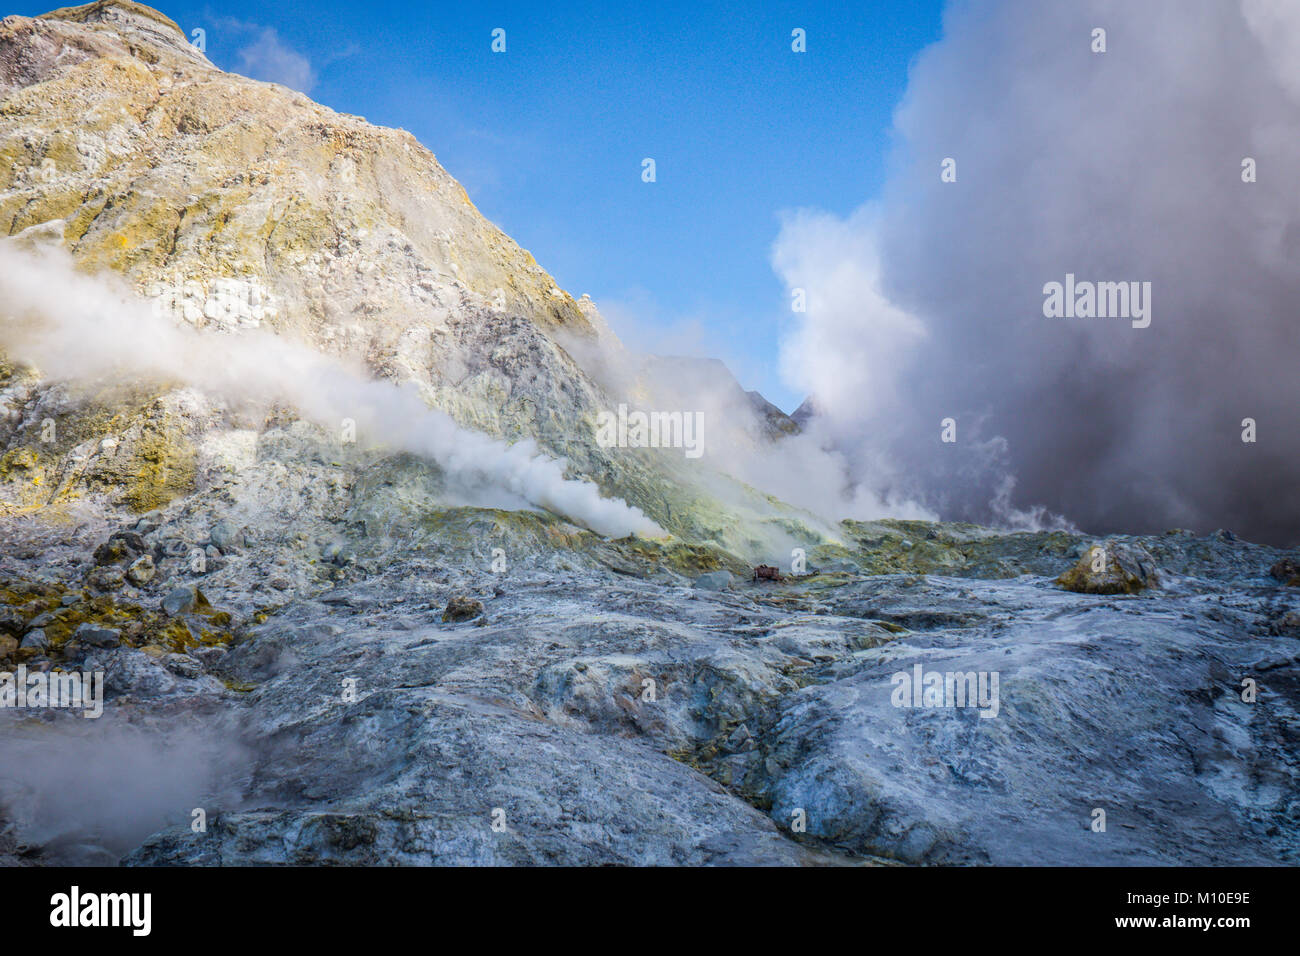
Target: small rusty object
point(765, 572)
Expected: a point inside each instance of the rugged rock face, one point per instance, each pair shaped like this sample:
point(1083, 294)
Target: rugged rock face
point(316, 652)
point(247, 201)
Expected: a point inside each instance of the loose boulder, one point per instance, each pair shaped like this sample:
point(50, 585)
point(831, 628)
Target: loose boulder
point(1111, 568)
point(1287, 570)
point(108, 578)
point(714, 581)
point(121, 546)
point(183, 599)
point(226, 537)
point(11, 621)
point(142, 571)
point(94, 636)
point(461, 609)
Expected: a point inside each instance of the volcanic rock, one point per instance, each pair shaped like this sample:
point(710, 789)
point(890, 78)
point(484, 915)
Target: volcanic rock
point(1287, 570)
point(1111, 568)
point(461, 608)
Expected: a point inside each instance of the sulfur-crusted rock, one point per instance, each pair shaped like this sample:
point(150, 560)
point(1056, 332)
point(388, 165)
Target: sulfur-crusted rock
point(142, 571)
point(1287, 570)
point(106, 578)
point(1111, 568)
point(122, 546)
point(461, 608)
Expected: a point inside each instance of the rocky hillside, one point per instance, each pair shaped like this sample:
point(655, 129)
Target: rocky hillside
point(234, 205)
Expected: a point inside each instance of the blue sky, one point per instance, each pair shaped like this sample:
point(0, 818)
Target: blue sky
point(548, 137)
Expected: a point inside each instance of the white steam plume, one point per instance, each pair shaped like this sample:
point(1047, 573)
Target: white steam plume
point(71, 325)
point(801, 469)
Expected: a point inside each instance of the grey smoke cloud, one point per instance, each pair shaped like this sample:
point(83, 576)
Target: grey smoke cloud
point(1120, 166)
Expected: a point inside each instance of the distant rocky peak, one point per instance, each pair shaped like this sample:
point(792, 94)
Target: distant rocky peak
point(127, 18)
